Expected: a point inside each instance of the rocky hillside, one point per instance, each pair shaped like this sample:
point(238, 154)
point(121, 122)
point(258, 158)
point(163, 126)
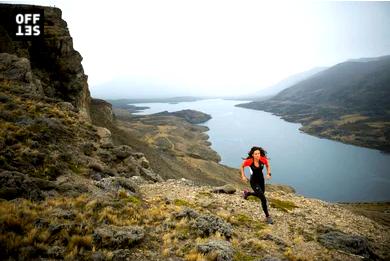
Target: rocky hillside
point(347, 102)
point(81, 181)
point(176, 220)
point(173, 146)
point(48, 145)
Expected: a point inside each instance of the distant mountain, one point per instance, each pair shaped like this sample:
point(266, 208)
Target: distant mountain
point(371, 59)
point(289, 81)
point(354, 86)
point(348, 102)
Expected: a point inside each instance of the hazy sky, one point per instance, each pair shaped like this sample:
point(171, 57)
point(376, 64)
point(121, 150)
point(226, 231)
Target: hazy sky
point(216, 47)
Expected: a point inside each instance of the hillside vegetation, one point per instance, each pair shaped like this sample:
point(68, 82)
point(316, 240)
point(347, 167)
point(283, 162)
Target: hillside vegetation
point(347, 102)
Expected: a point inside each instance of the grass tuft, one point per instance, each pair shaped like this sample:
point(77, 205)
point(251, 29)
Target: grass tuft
point(282, 205)
point(182, 202)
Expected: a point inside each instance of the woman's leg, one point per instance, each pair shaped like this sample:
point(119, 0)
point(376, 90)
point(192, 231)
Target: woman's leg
point(258, 188)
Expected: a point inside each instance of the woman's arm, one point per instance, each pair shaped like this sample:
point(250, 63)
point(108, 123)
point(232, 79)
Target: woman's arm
point(243, 177)
point(268, 170)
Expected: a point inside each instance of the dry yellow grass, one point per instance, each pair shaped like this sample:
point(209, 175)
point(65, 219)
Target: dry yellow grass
point(351, 118)
point(26, 223)
point(317, 122)
point(379, 125)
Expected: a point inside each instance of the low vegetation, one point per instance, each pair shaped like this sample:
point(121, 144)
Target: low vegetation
point(40, 137)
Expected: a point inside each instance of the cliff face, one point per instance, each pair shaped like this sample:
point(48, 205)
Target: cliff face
point(50, 66)
point(48, 146)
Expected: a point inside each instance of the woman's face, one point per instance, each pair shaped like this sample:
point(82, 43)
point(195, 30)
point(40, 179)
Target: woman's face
point(256, 154)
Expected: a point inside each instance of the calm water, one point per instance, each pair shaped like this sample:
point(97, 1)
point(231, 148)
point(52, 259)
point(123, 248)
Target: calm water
point(315, 167)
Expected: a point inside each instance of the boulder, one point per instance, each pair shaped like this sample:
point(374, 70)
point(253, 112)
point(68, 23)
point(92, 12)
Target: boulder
point(206, 225)
point(113, 184)
point(18, 69)
point(104, 110)
point(122, 151)
point(14, 184)
point(228, 189)
point(145, 163)
point(138, 180)
point(150, 175)
point(66, 106)
point(186, 213)
point(15, 68)
point(354, 244)
point(117, 237)
point(104, 134)
point(222, 249)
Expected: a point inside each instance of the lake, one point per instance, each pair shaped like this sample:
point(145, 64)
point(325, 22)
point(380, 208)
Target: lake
point(315, 167)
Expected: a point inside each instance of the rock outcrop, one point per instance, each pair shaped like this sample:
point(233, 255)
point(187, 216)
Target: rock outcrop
point(105, 108)
point(117, 237)
point(49, 67)
point(48, 146)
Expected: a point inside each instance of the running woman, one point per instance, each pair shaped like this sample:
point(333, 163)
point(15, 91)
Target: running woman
point(256, 160)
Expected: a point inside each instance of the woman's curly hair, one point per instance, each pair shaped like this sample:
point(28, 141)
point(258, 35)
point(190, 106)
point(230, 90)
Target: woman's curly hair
point(263, 153)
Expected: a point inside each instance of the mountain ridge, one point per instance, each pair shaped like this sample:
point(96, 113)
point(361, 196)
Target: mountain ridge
point(289, 81)
point(347, 102)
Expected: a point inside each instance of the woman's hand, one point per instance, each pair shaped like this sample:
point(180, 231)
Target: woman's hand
point(243, 178)
point(268, 176)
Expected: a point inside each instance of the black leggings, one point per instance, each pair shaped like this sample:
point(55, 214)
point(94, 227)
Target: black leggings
point(258, 187)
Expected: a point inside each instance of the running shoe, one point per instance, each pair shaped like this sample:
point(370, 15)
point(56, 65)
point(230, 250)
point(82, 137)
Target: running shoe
point(269, 220)
point(245, 194)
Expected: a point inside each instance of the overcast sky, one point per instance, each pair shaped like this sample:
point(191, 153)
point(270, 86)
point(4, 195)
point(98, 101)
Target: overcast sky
point(216, 47)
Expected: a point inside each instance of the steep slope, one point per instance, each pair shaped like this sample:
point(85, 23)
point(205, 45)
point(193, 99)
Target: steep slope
point(56, 69)
point(347, 102)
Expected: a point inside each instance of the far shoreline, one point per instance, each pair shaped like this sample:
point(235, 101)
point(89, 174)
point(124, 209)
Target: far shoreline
point(334, 202)
point(310, 129)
